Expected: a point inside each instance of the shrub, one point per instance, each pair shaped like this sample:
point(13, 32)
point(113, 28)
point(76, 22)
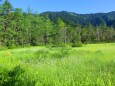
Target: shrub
point(79, 44)
point(11, 77)
point(43, 53)
point(61, 53)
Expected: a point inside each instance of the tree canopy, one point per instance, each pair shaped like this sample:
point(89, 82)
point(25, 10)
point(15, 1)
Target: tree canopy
point(18, 28)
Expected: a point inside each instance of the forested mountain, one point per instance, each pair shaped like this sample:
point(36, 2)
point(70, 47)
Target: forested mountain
point(96, 19)
point(18, 28)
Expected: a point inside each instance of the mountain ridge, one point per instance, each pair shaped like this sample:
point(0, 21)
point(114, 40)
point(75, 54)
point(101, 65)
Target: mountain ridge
point(73, 18)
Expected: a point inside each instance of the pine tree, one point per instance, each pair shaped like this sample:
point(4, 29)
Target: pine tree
point(7, 30)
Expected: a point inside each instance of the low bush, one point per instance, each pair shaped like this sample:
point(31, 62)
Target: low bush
point(79, 44)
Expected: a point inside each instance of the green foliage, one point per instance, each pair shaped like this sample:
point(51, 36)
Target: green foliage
point(89, 65)
point(16, 77)
point(27, 29)
point(74, 19)
point(57, 63)
point(78, 44)
point(11, 77)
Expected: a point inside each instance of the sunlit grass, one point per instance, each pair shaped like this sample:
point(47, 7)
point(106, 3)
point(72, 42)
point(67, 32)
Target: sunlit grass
point(90, 65)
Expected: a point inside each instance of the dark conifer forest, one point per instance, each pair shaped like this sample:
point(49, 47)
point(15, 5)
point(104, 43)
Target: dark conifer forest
point(18, 28)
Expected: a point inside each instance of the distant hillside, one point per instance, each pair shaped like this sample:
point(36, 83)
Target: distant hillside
point(83, 19)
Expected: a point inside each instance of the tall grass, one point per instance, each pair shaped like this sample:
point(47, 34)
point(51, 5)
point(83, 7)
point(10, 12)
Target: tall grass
point(89, 65)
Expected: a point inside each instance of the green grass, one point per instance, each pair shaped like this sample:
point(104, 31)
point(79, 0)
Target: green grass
point(90, 65)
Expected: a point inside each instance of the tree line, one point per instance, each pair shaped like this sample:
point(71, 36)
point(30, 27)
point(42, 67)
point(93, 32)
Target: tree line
point(18, 28)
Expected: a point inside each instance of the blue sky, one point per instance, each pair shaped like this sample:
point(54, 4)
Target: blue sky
point(78, 6)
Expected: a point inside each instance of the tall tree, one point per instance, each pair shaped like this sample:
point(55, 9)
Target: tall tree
point(7, 8)
point(60, 30)
point(77, 36)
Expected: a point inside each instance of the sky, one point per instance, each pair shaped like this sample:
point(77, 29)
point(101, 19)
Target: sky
point(77, 6)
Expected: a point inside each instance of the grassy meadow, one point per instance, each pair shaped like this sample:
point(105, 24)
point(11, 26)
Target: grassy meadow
point(89, 65)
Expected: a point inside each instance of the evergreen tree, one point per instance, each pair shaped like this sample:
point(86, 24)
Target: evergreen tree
point(7, 30)
point(19, 28)
point(77, 37)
